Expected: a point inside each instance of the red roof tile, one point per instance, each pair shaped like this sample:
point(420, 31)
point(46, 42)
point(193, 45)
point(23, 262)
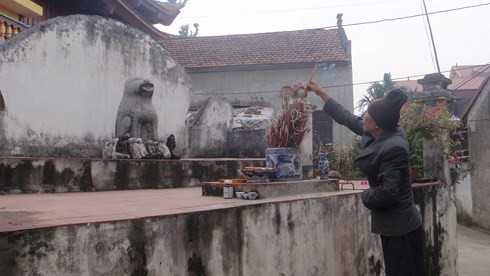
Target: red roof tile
point(469, 77)
point(304, 46)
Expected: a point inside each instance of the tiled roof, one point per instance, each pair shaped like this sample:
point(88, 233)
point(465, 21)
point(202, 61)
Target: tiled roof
point(469, 77)
point(304, 46)
point(467, 82)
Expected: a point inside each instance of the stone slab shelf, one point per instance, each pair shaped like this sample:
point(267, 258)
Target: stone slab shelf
point(58, 175)
point(273, 189)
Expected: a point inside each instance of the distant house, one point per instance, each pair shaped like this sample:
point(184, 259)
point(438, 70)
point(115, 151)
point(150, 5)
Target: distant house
point(466, 80)
point(467, 83)
point(250, 69)
point(410, 85)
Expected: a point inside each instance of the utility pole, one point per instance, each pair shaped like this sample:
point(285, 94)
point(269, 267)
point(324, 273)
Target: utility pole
point(432, 38)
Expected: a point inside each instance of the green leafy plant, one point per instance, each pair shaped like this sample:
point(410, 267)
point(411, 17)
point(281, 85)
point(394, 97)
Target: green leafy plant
point(341, 160)
point(424, 122)
point(458, 170)
point(375, 91)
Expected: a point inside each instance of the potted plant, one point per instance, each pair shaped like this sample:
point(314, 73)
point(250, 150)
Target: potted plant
point(424, 122)
point(287, 128)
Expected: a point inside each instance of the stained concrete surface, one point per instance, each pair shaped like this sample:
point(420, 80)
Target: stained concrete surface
point(49, 210)
point(473, 251)
point(32, 211)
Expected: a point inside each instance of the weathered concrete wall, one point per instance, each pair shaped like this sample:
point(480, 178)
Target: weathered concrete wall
point(261, 87)
point(314, 236)
point(437, 205)
point(48, 175)
point(63, 80)
point(247, 143)
point(211, 135)
point(464, 198)
point(478, 123)
point(208, 137)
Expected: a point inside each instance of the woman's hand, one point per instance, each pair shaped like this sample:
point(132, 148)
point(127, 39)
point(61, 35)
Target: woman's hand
point(317, 88)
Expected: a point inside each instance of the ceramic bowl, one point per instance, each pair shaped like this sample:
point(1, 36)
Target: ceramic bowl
point(239, 195)
point(253, 195)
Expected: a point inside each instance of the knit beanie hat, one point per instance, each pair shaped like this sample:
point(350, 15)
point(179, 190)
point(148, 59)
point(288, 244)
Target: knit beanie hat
point(386, 111)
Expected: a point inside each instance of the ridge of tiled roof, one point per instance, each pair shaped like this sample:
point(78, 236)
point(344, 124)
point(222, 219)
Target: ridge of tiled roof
point(275, 48)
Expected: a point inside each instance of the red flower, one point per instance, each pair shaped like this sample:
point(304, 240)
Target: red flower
point(453, 159)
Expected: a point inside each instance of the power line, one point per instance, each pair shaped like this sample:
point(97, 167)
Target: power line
point(345, 25)
point(288, 10)
point(330, 86)
point(432, 38)
point(348, 25)
point(428, 39)
point(403, 78)
point(409, 16)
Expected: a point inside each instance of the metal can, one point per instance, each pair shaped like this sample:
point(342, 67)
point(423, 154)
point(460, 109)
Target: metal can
point(228, 189)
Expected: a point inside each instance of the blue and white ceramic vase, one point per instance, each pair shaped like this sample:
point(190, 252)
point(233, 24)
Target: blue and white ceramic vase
point(323, 167)
point(287, 160)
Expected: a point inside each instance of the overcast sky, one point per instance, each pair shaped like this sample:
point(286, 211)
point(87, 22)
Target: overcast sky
point(400, 47)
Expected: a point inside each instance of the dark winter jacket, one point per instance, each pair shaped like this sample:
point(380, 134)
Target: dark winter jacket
point(385, 162)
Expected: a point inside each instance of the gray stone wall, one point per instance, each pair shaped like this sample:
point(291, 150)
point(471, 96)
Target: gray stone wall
point(478, 123)
point(208, 136)
point(59, 175)
point(63, 80)
point(260, 86)
point(327, 235)
point(464, 198)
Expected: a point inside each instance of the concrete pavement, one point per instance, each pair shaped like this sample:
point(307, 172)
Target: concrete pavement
point(473, 251)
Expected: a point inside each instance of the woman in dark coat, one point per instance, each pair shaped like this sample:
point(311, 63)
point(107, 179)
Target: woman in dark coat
point(384, 159)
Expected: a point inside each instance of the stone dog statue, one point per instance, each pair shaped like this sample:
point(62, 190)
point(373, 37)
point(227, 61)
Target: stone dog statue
point(136, 116)
point(137, 126)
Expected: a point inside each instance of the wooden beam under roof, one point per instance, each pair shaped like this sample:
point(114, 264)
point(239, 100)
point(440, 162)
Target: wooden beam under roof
point(141, 14)
point(126, 12)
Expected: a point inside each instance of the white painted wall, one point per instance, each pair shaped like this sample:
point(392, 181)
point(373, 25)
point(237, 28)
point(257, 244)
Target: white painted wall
point(478, 123)
point(63, 80)
point(464, 199)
